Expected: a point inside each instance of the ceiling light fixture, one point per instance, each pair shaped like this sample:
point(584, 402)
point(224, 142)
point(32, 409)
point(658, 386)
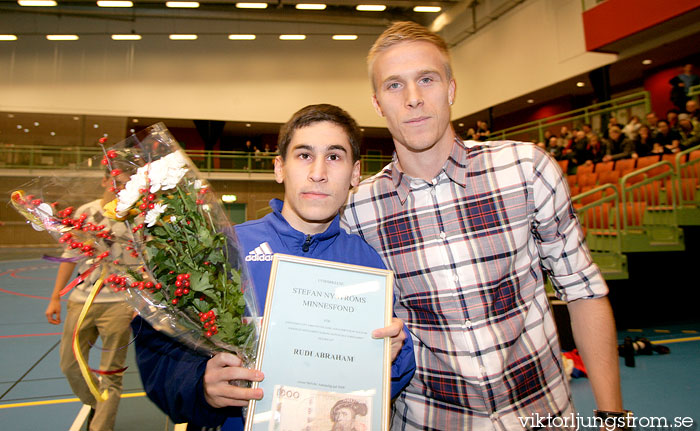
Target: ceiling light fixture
point(344, 37)
point(115, 3)
point(646, 62)
point(62, 37)
point(311, 6)
point(251, 5)
point(580, 84)
point(370, 7)
point(432, 9)
point(8, 37)
point(530, 100)
point(241, 36)
point(126, 37)
point(45, 3)
point(292, 36)
point(183, 37)
point(182, 4)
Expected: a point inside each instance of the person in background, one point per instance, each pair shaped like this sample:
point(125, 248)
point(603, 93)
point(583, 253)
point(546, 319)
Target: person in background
point(644, 142)
point(688, 78)
point(651, 121)
point(667, 138)
point(631, 129)
point(108, 318)
point(689, 134)
point(617, 146)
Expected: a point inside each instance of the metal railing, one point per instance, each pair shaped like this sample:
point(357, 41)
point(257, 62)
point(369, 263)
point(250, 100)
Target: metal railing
point(538, 127)
point(57, 158)
point(694, 90)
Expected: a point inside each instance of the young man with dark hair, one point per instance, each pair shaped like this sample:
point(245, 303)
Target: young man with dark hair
point(318, 163)
point(470, 230)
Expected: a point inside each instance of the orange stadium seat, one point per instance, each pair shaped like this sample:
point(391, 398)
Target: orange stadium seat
point(625, 164)
point(601, 167)
point(587, 179)
point(643, 162)
point(608, 177)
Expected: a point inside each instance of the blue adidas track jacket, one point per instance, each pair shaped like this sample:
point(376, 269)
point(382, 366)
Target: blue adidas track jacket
point(172, 374)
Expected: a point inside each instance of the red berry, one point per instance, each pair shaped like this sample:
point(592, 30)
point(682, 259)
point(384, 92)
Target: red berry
point(115, 172)
point(209, 334)
point(178, 283)
point(36, 202)
point(186, 276)
point(174, 301)
point(149, 285)
point(143, 206)
point(185, 291)
point(151, 197)
point(104, 161)
point(111, 153)
point(159, 286)
point(102, 140)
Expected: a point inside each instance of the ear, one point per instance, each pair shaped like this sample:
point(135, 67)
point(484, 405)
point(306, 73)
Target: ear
point(377, 108)
point(452, 91)
point(279, 169)
point(355, 178)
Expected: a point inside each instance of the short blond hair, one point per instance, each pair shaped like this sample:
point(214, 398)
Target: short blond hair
point(406, 31)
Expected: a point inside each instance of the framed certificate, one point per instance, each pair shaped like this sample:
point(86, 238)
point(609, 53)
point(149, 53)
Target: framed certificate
point(323, 370)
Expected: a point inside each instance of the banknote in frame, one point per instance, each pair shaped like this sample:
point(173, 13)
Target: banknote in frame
point(323, 370)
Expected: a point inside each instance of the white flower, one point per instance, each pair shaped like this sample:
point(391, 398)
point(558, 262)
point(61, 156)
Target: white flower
point(198, 184)
point(153, 215)
point(166, 172)
point(130, 193)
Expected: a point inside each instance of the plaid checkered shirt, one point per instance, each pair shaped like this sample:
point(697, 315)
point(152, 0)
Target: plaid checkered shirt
point(468, 250)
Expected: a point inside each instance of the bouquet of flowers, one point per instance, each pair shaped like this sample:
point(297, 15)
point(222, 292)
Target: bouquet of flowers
point(175, 257)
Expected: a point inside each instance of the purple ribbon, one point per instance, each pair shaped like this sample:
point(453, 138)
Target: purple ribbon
point(61, 259)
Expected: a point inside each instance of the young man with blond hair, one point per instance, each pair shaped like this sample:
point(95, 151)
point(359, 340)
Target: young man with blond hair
point(470, 231)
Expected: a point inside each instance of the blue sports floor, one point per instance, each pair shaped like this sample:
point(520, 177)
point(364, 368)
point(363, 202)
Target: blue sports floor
point(34, 395)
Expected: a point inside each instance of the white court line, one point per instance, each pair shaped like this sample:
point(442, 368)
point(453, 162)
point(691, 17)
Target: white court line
point(80, 419)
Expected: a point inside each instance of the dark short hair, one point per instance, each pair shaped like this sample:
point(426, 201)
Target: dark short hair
point(312, 114)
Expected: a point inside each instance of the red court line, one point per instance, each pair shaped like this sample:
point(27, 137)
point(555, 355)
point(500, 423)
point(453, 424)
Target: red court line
point(23, 294)
point(30, 335)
